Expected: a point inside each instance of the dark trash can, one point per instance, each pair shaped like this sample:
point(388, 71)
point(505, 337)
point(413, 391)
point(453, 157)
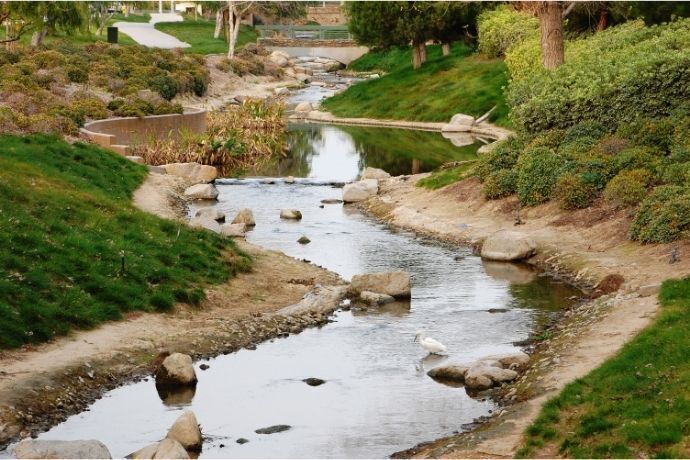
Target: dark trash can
point(112, 34)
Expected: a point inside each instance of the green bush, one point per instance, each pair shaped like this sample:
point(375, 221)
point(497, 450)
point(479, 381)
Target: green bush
point(628, 188)
point(538, 171)
point(664, 216)
point(503, 156)
point(77, 74)
point(611, 77)
point(594, 169)
point(502, 28)
point(654, 133)
point(676, 173)
point(500, 184)
point(551, 139)
point(164, 85)
point(636, 158)
point(573, 192)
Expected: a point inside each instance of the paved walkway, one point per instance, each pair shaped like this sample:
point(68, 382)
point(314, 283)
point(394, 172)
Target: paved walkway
point(145, 34)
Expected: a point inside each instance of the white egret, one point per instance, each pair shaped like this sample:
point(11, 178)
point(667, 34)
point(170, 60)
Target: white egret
point(434, 347)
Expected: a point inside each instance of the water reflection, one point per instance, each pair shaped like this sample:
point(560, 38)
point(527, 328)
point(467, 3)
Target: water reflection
point(340, 153)
point(176, 396)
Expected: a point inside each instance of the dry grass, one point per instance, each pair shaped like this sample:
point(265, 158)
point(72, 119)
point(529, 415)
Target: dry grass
point(239, 137)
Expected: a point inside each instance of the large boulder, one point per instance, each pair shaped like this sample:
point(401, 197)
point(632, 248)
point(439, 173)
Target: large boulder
point(374, 298)
point(360, 190)
point(459, 123)
point(176, 369)
point(278, 59)
point(304, 107)
point(507, 245)
point(234, 230)
point(201, 192)
point(394, 284)
point(515, 361)
point(451, 372)
point(167, 448)
point(211, 213)
point(186, 431)
point(290, 214)
point(35, 448)
point(484, 375)
point(194, 172)
point(246, 217)
point(281, 91)
point(374, 173)
point(205, 223)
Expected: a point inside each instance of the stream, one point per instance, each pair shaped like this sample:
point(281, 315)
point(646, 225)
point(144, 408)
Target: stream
point(377, 398)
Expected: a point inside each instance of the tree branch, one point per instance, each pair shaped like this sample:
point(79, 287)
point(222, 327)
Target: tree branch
point(567, 11)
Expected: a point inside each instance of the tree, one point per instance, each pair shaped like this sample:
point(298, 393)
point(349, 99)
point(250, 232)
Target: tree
point(551, 28)
point(452, 21)
point(235, 11)
point(41, 18)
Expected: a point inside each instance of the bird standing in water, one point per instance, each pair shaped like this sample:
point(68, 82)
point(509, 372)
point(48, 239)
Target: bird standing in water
point(434, 347)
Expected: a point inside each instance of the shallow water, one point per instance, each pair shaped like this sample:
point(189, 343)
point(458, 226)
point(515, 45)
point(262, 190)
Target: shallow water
point(377, 398)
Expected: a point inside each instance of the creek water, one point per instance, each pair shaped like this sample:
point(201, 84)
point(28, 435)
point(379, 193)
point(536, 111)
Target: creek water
point(377, 398)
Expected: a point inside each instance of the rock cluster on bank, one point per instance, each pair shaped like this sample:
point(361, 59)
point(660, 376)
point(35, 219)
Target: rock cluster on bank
point(507, 245)
point(485, 373)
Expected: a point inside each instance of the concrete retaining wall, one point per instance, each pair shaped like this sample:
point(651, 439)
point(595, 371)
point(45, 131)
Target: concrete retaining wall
point(120, 133)
point(344, 51)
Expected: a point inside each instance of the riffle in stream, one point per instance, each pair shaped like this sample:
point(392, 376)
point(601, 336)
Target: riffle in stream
point(377, 398)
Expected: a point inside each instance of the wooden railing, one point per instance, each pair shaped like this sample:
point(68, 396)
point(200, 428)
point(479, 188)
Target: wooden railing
point(340, 32)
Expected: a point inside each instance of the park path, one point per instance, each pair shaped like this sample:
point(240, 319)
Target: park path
point(145, 33)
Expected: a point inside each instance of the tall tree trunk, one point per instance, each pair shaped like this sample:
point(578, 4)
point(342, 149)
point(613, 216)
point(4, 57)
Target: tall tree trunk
point(445, 47)
point(232, 25)
point(422, 51)
point(219, 24)
point(603, 19)
point(38, 36)
point(551, 28)
point(416, 56)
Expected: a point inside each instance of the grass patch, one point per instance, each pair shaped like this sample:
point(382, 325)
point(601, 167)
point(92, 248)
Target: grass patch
point(199, 34)
point(445, 177)
point(636, 404)
point(119, 17)
point(444, 86)
point(67, 223)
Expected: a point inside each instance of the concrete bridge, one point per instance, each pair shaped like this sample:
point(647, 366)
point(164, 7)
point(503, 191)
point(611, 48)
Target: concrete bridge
point(334, 42)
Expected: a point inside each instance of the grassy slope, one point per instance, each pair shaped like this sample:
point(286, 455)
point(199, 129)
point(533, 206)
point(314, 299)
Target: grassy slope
point(637, 404)
point(199, 34)
point(444, 86)
point(66, 219)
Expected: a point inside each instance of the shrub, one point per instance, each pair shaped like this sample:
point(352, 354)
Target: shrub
point(594, 169)
point(676, 173)
point(611, 77)
point(636, 158)
point(502, 28)
point(573, 192)
point(500, 184)
point(164, 85)
point(77, 74)
point(611, 145)
point(551, 139)
point(628, 188)
point(538, 171)
point(590, 130)
point(657, 133)
point(664, 216)
point(503, 156)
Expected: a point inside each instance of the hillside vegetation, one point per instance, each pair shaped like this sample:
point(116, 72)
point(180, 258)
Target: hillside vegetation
point(78, 253)
point(444, 86)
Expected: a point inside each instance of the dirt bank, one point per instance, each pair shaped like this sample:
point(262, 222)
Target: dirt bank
point(588, 247)
point(42, 385)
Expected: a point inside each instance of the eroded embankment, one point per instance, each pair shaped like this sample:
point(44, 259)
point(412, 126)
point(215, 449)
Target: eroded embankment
point(41, 386)
point(589, 248)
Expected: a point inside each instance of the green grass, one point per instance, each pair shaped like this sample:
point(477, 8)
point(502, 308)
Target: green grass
point(67, 222)
point(444, 86)
point(445, 177)
point(199, 34)
point(117, 17)
point(636, 404)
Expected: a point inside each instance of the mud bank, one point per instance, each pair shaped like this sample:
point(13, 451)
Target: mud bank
point(588, 248)
point(41, 386)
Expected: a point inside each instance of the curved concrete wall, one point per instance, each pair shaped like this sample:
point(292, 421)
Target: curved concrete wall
point(119, 133)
